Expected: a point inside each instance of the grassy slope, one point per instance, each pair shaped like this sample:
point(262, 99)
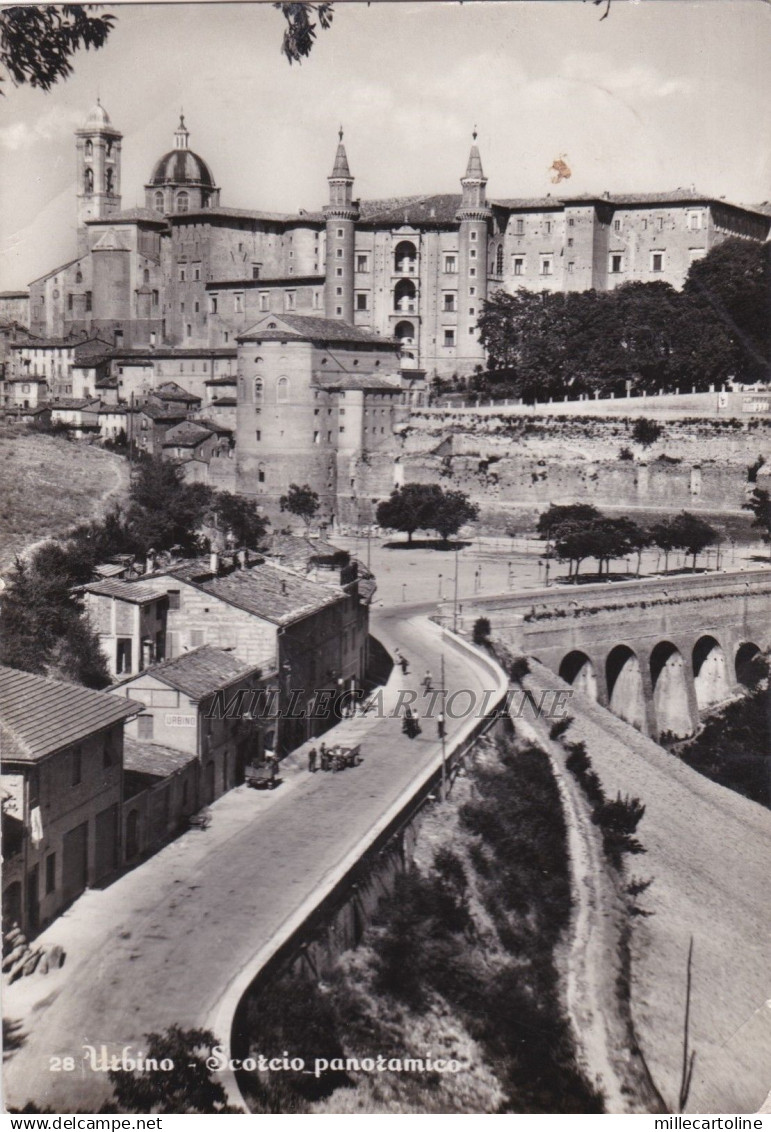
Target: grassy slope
point(50, 483)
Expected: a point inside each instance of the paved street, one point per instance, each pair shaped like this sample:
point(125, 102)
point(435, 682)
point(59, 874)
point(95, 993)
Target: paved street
point(161, 944)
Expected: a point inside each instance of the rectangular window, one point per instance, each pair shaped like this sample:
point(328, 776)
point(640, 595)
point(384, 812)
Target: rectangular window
point(548, 227)
point(657, 261)
point(182, 275)
point(571, 266)
point(50, 873)
point(362, 303)
point(339, 253)
point(189, 331)
point(123, 650)
point(645, 225)
point(145, 727)
point(472, 271)
point(338, 272)
point(449, 336)
point(255, 271)
point(197, 638)
point(197, 272)
point(660, 223)
point(471, 310)
point(342, 428)
point(694, 221)
point(449, 301)
point(473, 235)
point(340, 233)
point(616, 264)
point(88, 300)
point(263, 301)
point(76, 767)
point(156, 298)
point(519, 265)
point(69, 302)
point(238, 304)
point(338, 310)
point(173, 599)
point(472, 253)
point(316, 437)
point(570, 241)
point(196, 307)
point(450, 264)
point(546, 265)
point(571, 222)
point(289, 300)
point(362, 263)
point(520, 226)
point(182, 308)
point(616, 225)
point(258, 435)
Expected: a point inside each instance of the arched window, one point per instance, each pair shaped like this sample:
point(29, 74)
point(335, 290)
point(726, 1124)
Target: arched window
point(282, 389)
point(89, 180)
point(109, 180)
point(89, 148)
point(258, 385)
point(261, 473)
point(499, 260)
point(183, 202)
point(159, 202)
point(78, 276)
point(405, 256)
point(146, 275)
point(108, 148)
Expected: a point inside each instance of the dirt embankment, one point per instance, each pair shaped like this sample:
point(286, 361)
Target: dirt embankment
point(49, 485)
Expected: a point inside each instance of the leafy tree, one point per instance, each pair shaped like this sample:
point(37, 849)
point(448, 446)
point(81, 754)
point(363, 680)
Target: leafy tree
point(188, 1087)
point(759, 504)
point(164, 510)
point(410, 508)
point(301, 501)
point(481, 632)
point(664, 537)
point(300, 32)
point(729, 289)
point(599, 537)
point(239, 518)
point(37, 42)
point(693, 534)
point(558, 514)
point(451, 512)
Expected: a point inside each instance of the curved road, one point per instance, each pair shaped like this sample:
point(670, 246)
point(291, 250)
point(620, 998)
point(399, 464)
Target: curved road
point(163, 944)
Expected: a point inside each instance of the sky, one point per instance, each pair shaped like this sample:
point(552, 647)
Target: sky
point(661, 94)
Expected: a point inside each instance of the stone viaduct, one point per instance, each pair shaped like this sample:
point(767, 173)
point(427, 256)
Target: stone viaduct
point(658, 652)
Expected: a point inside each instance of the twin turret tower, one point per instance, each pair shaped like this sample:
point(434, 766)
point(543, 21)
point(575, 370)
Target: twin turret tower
point(341, 215)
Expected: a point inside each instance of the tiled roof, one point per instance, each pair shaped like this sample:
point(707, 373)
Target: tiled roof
point(236, 213)
point(143, 757)
point(265, 281)
point(188, 434)
point(76, 403)
point(28, 379)
point(298, 550)
point(198, 673)
point(143, 352)
point(131, 214)
point(357, 381)
point(221, 381)
point(39, 715)
point(125, 591)
point(156, 413)
point(305, 326)
point(270, 592)
point(56, 270)
point(170, 391)
point(14, 294)
point(215, 426)
point(109, 569)
point(439, 208)
point(225, 402)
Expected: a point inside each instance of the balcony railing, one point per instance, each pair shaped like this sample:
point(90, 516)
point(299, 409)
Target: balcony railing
point(406, 306)
point(406, 267)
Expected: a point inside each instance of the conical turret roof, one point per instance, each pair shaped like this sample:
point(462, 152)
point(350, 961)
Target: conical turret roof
point(474, 167)
point(341, 168)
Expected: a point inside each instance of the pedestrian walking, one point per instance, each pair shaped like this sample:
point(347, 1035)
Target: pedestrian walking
point(440, 725)
point(324, 756)
point(426, 681)
point(403, 664)
point(272, 764)
point(410, 726)
point(312, 754)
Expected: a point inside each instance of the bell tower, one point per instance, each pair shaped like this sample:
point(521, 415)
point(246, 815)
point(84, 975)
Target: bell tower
point(98, 146)
point(341, 215)
point(473, 217)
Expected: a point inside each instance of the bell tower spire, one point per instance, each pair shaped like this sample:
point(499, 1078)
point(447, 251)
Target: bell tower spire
point(473, 218)
point(182, 134)
point(98, 146)
point(341, 215)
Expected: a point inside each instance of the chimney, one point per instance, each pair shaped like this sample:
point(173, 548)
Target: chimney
point(242, 558)
point(214, 562)
point(150, 561)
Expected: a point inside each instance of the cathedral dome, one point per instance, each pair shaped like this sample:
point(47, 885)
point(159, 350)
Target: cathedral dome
point(97, 117)
point(182, 167)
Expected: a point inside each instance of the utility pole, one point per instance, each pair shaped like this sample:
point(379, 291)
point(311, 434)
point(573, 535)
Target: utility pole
point(444, 728)
point(455, 596)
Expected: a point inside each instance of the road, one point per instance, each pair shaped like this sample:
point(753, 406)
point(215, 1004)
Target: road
point(164, 943)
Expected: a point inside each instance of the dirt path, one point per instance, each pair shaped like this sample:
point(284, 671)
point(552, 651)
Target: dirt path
point(591, 958)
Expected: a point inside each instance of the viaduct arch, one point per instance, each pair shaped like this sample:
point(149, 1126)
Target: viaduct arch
point(658, 653)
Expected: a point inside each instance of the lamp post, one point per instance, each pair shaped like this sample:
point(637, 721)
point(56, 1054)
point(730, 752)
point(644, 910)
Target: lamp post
point(455, 596)
point(443, 690)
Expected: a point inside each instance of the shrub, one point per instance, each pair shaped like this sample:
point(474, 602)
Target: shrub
point(560, 726)
point(646, 432)
point(519, 668)
point(481, 633)
point(626, 454)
